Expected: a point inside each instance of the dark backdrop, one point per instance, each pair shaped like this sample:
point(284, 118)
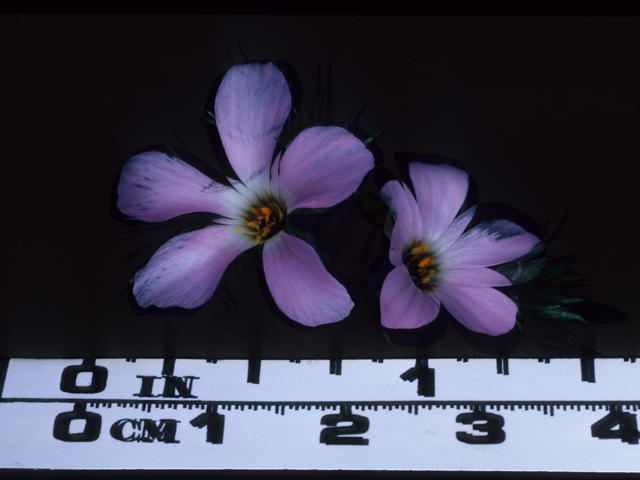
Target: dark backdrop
point(543, 112)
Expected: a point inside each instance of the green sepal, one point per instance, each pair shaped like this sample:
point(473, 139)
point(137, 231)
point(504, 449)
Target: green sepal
point(194, 227)
point(202, 216)
point(312, 211)
point(210, 118)
point(548, 312)
point(559, 269)
point(561, 299)
point(373, 138)
point(526, 268)
point(371, 206)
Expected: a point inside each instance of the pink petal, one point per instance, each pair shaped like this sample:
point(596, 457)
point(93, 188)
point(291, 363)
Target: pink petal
point(440, 191)
point(155, 187)
point(251, 106)
point(454, 231)
point(275, 173)
point(484, 277)
point(481, 309)
point(300, 285)
point(185, 271)
point(490, 243)
point(322, 167)
point(403, 305)
point(408, 222)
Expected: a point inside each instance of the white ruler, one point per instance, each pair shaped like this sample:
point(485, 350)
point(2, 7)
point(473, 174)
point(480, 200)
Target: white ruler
point(447, 414)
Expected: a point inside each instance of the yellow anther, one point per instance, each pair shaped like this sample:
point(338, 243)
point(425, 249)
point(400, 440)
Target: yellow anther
point(420, 250)
point(263, 220)
point(275, 209)
point(427, 276)
point(417, 262)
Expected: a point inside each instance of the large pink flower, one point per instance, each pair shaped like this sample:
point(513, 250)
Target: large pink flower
point(436, 263)
point(321, 167)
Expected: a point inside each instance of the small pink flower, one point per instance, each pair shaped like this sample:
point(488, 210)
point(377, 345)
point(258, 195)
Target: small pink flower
point(321, 167)
point(436, 263)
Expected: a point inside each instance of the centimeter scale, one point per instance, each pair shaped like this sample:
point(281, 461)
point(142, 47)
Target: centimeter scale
point(444, 414)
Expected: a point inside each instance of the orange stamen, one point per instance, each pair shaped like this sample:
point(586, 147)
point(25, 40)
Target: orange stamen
point(417, 265)
point(420, 250)
point(262, 221)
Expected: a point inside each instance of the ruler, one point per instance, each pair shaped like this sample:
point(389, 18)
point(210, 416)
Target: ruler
point(575, 415)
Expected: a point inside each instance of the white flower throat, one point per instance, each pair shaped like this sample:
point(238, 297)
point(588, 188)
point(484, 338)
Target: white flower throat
point(420, 264)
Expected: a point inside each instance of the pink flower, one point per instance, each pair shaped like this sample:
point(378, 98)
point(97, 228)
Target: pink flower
point(436, 263)
point(321, 167)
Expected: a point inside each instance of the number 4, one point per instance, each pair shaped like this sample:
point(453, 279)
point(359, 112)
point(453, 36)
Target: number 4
point(627, 430)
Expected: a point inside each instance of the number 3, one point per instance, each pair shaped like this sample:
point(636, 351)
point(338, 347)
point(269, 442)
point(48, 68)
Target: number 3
point(493, 426)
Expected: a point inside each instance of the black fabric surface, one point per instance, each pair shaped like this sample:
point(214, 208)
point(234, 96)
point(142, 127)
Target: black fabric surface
point(543, 113)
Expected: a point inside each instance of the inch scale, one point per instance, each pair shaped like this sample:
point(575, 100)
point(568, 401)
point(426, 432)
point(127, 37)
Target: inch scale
point(444, 414)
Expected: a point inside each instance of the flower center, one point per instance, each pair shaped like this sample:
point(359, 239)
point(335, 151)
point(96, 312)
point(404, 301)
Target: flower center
point(419, 264)
point(263, 219)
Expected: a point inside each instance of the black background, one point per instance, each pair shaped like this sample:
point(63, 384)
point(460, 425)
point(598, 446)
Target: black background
point(543, 112)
